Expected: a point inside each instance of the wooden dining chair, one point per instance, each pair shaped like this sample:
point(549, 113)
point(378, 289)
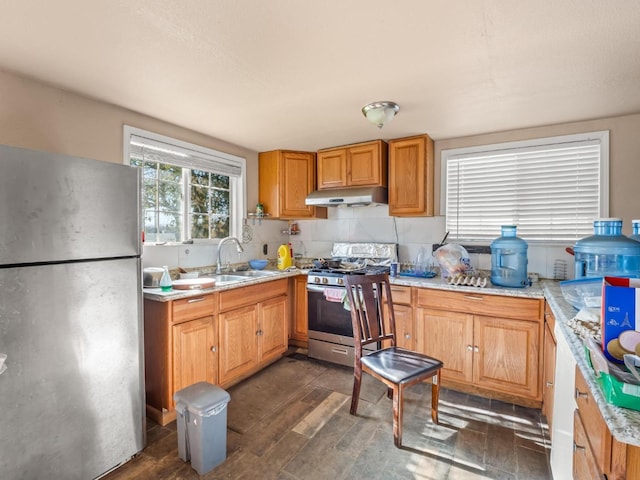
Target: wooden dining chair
point(396, 367)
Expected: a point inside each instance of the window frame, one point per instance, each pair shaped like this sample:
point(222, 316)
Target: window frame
point(238, 185)
point(603, 188)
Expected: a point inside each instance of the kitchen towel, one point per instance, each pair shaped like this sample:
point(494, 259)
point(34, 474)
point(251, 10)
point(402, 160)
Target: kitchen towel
point(334, 294)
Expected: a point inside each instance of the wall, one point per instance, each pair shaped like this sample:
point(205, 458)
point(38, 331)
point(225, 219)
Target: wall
point(41, 117)
point(38, 116)
point(373, 223)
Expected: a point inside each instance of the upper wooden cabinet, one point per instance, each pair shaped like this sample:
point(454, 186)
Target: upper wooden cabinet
point(362, 164)
point(285, 180)
point(411, 177)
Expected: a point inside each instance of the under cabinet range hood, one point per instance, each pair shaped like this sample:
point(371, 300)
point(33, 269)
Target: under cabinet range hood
point(351, 196)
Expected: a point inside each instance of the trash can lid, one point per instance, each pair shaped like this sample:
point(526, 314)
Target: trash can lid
point(201, 397)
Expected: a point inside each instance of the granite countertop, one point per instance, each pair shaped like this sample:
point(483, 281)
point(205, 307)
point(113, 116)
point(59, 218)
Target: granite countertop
point(534, 291)
point(623, 423)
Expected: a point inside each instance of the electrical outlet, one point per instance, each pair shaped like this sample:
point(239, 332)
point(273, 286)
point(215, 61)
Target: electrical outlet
point(264, 249)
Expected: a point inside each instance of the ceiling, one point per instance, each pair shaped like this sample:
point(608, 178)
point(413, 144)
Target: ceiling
point(295, 73)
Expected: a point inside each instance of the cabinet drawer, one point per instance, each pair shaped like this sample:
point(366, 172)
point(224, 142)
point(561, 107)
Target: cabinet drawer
point(193, 307)
point(594, 425)
point(238, 297)
point(401, 294)
point(481, 304)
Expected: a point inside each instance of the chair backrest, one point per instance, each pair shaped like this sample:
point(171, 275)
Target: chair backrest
point(372, 322)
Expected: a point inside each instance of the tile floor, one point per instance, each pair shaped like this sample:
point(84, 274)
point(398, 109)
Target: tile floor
point(291, 421)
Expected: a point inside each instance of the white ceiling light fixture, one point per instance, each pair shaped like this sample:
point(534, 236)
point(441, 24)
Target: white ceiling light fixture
point(380, 113)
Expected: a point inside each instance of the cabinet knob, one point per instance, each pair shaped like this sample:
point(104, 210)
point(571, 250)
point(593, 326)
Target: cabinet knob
point(259, 332)
point(407, 336)
point(470, 348)
point(580, 394)
point(549, 384)
point(578, 448)
point(476, 348)
point(213, 349)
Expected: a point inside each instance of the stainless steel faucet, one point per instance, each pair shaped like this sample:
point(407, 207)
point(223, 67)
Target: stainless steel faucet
point(239, 249)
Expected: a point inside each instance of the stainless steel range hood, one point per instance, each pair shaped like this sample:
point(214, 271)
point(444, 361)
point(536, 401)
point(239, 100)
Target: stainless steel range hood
point(351, 196)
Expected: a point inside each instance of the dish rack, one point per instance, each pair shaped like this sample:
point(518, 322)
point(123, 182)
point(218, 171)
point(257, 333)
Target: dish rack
point(468, 280)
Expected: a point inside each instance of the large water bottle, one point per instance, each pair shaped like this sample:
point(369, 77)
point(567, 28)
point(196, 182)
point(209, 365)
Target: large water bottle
point(509, 259)
point(608, 252)
point(636, 230)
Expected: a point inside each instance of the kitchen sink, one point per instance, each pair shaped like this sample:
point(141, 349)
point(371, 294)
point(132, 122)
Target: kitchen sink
point(237, 277)
point(226, 279)
point(255, 273)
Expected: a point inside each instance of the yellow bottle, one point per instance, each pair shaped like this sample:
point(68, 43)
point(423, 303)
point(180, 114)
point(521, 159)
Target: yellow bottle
point(284, 257)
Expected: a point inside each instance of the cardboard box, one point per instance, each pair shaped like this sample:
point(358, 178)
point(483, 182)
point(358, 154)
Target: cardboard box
point(620, 312)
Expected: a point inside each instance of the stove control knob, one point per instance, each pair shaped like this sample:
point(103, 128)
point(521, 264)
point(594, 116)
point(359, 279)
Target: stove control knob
point(325, 280)
point(316, 280)
point(340, 281)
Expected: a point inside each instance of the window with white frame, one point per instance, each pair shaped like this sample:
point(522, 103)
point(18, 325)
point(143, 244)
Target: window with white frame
point(188, 191)
point(551, 188)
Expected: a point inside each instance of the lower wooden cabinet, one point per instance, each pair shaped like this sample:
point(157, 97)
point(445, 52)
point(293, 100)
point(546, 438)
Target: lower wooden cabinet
point(403, 310)
point(219, 338)
point(488, 343)
point(253, 329)
point(180, 348)
point(585, 465)
point(596, 454)
point(194, 352)
point(299, 328)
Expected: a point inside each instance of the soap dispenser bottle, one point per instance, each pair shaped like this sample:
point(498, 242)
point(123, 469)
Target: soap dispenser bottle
point(165, 281)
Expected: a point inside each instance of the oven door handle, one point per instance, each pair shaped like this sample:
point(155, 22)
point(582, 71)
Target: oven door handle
point(319, 288)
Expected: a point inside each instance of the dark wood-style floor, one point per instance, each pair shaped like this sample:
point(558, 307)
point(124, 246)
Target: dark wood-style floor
point(291, 421)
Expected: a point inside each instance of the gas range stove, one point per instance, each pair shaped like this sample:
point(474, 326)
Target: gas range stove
point(354, 259)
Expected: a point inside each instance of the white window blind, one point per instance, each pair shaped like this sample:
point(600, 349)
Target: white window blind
point(552, 189)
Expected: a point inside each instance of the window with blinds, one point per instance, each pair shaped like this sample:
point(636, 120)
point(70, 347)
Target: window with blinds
point(188, 191)
point(551, 188)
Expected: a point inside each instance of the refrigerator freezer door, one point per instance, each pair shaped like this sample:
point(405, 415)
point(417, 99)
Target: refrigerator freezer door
point(57, 208)
point(72, 396)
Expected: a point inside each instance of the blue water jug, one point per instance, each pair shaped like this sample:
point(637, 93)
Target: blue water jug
point(509, 259)
point(608, 252)
point(636, 230)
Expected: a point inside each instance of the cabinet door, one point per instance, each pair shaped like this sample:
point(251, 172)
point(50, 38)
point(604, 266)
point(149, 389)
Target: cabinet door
point(364, 165)
point(272, 328)
point(297, 180)
point(411, 177)
point(300, 325)
point(447, 336)
point(332, 169)
point(549, 375)
point(584, 462)
point(596, 429)
point(506, 355)
point(405, 335)
point(194, 353)
point(238, 342)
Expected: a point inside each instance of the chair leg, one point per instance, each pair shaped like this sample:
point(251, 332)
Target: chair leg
point(435, 394)
point(398, 401)
point(357, 377)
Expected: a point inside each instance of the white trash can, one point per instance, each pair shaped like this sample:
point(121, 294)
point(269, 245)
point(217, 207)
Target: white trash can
point(202, 425)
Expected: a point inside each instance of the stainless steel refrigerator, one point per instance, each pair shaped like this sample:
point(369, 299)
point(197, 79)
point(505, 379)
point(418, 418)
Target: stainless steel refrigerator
point(72, 392)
